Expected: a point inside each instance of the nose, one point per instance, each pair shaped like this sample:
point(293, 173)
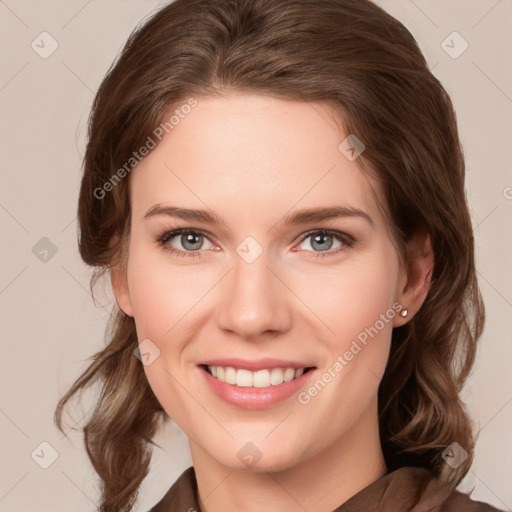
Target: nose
point(256, 302)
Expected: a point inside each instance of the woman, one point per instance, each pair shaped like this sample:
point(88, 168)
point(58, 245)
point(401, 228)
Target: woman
point(276, 189)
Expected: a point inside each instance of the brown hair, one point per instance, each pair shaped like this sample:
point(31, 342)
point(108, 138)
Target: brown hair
point(362, 61)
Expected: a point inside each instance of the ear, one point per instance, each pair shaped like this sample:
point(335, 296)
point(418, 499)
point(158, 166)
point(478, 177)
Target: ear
point(416, 280)
point(119, 280)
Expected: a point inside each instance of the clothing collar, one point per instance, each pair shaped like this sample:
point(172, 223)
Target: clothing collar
point(408, 489)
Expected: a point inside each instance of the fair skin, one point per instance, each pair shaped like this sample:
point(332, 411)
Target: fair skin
point(254, 160)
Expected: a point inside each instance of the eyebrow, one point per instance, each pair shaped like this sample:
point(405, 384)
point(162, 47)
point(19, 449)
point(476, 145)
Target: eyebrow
point(298, 217)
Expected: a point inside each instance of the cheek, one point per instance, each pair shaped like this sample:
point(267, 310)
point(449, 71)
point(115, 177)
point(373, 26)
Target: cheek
point(163, 293)
point(355, 302)
point(164, 298)
point(350, 298)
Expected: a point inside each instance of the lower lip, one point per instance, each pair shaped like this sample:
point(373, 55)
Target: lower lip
point(255, 398)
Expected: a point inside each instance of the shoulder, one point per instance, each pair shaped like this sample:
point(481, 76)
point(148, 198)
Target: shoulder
point(408, 489)
point(435, 496)
point(181, 496)
point(412, 489)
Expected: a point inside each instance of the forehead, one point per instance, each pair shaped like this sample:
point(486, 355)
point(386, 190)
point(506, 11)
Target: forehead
point(244, 155)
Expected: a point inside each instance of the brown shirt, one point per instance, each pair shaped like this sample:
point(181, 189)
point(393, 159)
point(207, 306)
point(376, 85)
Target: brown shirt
point(407, 489)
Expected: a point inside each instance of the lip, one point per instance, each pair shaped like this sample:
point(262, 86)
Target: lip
point(256, 398)
point(254, 365)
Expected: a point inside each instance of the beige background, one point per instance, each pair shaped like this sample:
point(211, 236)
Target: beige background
point(49, 322)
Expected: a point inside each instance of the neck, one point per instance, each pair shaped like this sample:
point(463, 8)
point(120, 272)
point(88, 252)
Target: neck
point(321, 483)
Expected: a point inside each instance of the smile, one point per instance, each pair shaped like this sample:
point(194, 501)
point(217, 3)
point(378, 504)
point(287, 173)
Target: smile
point(258, 379)
point(258, 389)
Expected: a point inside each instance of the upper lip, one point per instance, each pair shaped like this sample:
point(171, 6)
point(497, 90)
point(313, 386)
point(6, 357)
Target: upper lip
point(255, 364)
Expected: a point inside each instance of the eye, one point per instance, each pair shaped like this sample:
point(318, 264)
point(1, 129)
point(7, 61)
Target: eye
point(323, 241)
point(190, 240)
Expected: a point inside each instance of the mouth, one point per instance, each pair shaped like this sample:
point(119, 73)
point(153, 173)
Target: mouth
point(264, 378)
point(255, 383)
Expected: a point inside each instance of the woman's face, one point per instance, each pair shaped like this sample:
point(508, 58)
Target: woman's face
point(272, 285)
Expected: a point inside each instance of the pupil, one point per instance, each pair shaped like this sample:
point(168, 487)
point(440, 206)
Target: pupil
point(189, 239)
point(322, 245)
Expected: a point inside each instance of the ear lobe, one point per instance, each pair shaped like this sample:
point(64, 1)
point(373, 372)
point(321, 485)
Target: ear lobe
point(119, 281)
point(119, 278)
point(420, 265)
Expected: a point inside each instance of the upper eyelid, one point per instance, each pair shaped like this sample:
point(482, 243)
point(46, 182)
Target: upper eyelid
point(333, 232)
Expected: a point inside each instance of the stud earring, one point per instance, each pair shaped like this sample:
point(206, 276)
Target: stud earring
point(404, 313)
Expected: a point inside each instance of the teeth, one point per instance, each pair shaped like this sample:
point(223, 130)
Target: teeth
point(243, 378)
point(259, 379)
point(230, 375)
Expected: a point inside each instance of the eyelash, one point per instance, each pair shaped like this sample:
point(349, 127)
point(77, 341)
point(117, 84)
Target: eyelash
point(167, 236)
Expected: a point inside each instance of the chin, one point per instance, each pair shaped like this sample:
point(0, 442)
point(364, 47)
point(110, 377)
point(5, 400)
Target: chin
point(251, 459)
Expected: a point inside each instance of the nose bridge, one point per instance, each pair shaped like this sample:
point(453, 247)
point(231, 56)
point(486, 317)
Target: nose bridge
point(254, 300)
